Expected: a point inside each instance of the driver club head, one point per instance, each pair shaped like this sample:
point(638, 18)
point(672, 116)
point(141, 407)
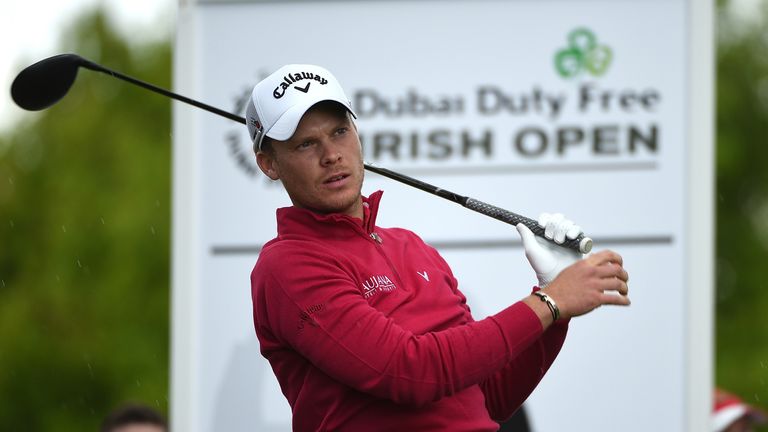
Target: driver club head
point(44, 83)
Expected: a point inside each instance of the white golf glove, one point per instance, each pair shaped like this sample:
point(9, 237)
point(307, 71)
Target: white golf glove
point(546, 258)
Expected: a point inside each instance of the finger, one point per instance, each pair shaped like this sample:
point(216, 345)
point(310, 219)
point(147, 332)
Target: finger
point(561, 229)
point(623, 275)
point(544, 219)
point(614, 299)
point(623, 288)
point(614, 284)
point(605, 256)
point(527, 236)
point(612, 270)
point(551, 225)
point(533, 249)
point(573, 231)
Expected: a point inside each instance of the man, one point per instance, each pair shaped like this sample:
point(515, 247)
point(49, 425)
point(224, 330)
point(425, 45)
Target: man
point(365, 327)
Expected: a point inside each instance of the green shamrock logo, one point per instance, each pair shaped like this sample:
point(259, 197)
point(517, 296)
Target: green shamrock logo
point(582, 54)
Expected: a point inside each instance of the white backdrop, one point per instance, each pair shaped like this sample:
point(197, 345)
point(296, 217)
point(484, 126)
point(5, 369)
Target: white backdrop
point(488, 99)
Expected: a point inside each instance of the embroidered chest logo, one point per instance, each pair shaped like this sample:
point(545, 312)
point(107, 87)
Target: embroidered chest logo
point(377, 284)
point(424, 275)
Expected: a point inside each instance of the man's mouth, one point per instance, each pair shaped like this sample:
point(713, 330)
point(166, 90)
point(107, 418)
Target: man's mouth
point(336, 178)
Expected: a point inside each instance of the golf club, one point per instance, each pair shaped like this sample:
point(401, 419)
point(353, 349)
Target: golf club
point(44, 83)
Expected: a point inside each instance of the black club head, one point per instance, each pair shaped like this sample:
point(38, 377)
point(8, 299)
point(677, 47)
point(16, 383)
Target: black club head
point(42, 84)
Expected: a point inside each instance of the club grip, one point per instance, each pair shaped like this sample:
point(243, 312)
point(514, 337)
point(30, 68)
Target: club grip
point(581, 243)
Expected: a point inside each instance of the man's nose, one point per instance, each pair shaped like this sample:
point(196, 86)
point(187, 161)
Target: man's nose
point(331, 153)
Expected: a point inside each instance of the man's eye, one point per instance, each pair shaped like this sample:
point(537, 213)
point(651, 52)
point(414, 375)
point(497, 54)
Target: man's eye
point(341, 130)
point(304, 145)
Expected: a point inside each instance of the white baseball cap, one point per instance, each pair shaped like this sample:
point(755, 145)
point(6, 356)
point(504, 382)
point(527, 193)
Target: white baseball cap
point(279, 101)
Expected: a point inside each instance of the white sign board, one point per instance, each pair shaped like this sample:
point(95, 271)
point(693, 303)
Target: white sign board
point(581, 107)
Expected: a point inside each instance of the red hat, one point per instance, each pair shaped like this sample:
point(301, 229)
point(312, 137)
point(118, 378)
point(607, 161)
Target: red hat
point(728, 408)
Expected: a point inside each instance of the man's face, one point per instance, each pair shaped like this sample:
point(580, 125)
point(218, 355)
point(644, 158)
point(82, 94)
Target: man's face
point(321, 165)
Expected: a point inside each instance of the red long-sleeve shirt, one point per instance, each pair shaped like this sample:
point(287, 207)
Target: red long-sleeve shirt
point(365, 329)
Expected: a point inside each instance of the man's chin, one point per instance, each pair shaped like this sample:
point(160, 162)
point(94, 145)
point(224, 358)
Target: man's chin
point(349, 206)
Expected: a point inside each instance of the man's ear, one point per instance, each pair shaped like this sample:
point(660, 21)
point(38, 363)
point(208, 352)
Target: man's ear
point(268, 164)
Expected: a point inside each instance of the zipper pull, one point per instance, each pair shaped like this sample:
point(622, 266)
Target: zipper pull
point(376, 238)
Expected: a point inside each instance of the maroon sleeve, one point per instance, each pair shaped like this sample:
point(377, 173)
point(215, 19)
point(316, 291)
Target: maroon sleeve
point(507, 389)
point(320, 312)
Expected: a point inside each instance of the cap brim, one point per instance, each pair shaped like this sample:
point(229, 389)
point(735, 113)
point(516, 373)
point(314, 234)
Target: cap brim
point(726, 416)
point(286, 125)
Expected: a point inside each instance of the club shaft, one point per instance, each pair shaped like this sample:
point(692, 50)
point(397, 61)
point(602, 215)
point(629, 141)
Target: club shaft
point(99, 68)
point(581, 243)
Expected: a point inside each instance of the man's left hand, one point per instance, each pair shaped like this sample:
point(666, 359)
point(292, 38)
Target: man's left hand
point(546, 258)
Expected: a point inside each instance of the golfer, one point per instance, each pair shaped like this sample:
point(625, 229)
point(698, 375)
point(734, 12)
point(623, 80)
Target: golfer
point(365, 327)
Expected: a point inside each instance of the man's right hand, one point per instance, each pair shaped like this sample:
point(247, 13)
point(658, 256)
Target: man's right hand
point(596, 280)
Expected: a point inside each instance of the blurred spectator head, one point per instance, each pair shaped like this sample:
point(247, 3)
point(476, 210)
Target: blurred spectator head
point(134, 418)
point(731, 414)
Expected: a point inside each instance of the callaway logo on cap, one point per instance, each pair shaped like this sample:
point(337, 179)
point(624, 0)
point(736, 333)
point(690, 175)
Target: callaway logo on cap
point(279, 101)
point(290, 79)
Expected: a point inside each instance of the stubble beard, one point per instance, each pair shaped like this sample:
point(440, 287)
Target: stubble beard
point(328, 204)
point(346, 203)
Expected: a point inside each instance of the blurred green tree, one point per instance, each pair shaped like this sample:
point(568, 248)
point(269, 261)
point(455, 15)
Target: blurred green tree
point(742, 206)
point(84, 262)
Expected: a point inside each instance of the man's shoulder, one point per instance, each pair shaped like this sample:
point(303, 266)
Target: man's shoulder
point(281, 257)
point(402, 234)
point(285, 248)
